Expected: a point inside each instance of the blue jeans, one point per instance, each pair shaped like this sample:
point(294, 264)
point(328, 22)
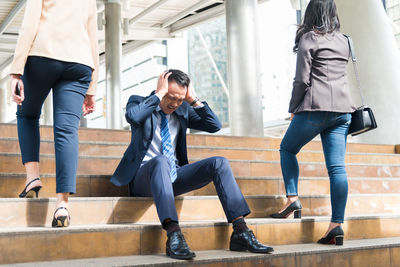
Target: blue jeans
point(333, 128)
point(69, 83)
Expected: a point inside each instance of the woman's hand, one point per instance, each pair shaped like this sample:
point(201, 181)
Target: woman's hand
point(89, 104)
point(17, 94)
point(291, 116)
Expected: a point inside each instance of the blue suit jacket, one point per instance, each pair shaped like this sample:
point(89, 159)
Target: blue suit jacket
point(141, 114)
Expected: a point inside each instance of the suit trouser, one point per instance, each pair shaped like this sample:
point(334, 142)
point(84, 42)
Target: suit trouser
point(69, 82)
point(153, 179)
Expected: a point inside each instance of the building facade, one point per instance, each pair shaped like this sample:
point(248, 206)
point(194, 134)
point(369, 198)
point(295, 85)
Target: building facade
point(393, 11)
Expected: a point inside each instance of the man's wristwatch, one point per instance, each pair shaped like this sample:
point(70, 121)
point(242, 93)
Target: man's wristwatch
point(194, 101)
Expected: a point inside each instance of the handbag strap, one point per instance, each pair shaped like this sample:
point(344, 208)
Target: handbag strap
point(353, 58)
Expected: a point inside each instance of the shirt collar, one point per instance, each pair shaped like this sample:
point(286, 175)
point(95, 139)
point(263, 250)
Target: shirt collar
point(158, 109)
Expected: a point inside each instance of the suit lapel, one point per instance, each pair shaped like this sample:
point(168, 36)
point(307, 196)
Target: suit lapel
point(154, 121)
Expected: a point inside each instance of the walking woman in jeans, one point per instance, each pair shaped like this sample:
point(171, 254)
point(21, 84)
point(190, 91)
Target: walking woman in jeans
point(56, 51)
point(320, 104)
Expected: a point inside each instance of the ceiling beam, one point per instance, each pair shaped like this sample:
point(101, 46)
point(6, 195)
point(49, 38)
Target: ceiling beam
point(4, 67)
point(147, 33)
point(143, 33)
point(200, 18)
point(11, 15)
point(128, 48)
point(147, 11)
point(186, 12)
point(7, 50)
point(8, 40)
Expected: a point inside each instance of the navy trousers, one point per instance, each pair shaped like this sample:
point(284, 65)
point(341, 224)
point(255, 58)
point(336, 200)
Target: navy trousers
point(153, 179)
point(69, 82)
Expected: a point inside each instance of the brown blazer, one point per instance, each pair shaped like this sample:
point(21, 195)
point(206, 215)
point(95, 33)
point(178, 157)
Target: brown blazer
point(320, 83)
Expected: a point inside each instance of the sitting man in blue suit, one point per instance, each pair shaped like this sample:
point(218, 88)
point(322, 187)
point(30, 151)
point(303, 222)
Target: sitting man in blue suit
point(156, 165)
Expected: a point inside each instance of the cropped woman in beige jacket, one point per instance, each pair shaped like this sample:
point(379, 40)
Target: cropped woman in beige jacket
point(56, 51)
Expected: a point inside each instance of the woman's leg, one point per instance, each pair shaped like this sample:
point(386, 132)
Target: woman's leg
point(68, 96)
point(303, 128)
point(38, 78)
point(334, 141)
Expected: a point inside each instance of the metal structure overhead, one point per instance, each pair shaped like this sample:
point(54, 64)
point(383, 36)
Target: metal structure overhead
point(126, 25)
point(142, 21)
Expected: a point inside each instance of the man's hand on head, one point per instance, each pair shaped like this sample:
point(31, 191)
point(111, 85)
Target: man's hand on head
point(162, 84)
point(191, 97)
point(190, 94)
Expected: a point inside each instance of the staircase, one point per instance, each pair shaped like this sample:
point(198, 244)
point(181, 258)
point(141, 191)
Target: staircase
point(110, 228)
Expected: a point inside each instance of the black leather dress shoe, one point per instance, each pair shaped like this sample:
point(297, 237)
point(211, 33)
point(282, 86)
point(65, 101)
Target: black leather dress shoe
point(247, 241)
point(177, 247)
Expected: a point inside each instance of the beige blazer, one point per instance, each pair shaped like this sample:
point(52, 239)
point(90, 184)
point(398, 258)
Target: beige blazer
point(320, 83)
point(65, 30)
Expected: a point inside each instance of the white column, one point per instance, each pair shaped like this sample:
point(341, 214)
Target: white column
point(113, 56)
point(48, 110)
point(3, 102)
point(379, 65)
point(245, 105)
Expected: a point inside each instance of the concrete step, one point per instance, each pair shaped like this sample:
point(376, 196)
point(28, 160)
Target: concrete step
point(16, 212)
point(233, 153)
point(273, 143)
point(11, 185)
point(93, 241)
point(86, 148)
point(105, 135)
point(105, 165)
point(307, 186)
point(364, 252)
point(99, 165)
point(85, 134)
point(116, 149)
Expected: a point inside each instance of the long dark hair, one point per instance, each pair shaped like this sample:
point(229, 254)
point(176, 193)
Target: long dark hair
point(321, 16)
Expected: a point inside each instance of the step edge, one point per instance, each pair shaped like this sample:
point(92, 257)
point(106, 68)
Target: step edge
point(224, 255)
point(205, 197)
point(267, 178)
point(11, 154)
point(145, 226)
point(125, 144)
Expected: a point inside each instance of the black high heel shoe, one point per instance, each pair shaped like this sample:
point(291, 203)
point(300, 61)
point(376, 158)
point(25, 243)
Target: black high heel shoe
point(35, 190)
point(294, 207)
point(335, 236)
point(61, 221)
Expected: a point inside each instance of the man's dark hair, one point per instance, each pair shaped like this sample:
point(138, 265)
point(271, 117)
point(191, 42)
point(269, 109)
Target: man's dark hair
point(179, 77)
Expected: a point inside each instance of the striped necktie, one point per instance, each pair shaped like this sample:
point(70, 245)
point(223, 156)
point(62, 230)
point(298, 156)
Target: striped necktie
point(167, 145)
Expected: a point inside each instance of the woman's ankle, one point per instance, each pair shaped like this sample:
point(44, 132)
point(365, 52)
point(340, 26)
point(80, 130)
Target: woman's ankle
point(32, 184)
point(59, 210)
point(62, 200)
point(32, 170)
point(333, 225)
point(291, 199)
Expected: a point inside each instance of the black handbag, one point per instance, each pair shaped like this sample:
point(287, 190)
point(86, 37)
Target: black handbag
point(362, 119)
